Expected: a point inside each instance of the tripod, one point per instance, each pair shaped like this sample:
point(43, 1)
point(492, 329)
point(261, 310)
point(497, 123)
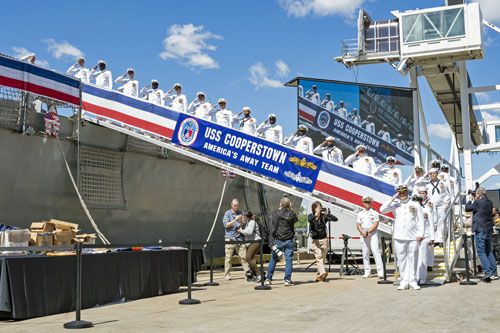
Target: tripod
point(329, 254)
point(344, 262)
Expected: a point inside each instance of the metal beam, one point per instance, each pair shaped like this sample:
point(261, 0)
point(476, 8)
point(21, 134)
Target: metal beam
point(467, 140)
point(473, 90)
point(482, 107)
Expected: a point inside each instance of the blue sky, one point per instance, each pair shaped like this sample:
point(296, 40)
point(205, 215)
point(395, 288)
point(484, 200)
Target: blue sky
point(229, 47)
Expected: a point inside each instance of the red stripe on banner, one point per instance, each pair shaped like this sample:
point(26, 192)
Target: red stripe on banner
point(340, 193)
point(306, 116)
point(129, 120)
point(37, 89)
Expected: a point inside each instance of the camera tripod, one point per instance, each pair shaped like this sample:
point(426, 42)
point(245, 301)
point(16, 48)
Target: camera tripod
point(344, 262)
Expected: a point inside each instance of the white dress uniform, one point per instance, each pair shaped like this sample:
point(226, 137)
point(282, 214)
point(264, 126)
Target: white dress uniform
point(369, 126)
point(178, 102)
point(272, 132)
point(200, 110)
point(440, 197)
point(155, 96)
point(328, 104)
point(313, 97)
point(400, 144)
point(301, 143)
point(390, 174)
point(450, 181)
point(408, 225)
point(386, 136)
point(425, 250)
point(342, 113)
point(364, 164)
point(330, 154)
point(366, 219)
point(79, 72)
point(129, 86)
point(248, 125)
point(415, 182)
point(103, 79)
point(355, 119)
point(224, 117)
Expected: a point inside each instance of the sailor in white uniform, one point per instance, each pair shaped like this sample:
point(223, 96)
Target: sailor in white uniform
point(341, 110)
point(389, 172)
point(313, 95)
point(224, 116)
point(384, 133)
point(329, 152)
point(426, 246)
point(300, 141)
point(360, 161)
point(248, 124)
point(417, 179)
point(327, 103)
point(440, 197)
point(408, 232)
point(79, 71)
point(152, 93)
point(367, 225)
point(270, 130)
point(130, 86)
point(449, 179)
point(399, 142)
point(368, 124)
point(31, 58)
point(103, 77)
point(354, 117)
point(176, 100)
point(200, 108)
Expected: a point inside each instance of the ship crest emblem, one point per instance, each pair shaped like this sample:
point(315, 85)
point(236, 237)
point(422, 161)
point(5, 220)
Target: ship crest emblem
point(188, 131)
point(324, 119)
point(303, 163)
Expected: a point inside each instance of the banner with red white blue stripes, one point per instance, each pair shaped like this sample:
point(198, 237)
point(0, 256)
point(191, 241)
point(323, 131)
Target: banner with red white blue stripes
point(34, 79)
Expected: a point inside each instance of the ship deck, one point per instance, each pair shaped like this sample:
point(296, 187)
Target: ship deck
point(348, 303)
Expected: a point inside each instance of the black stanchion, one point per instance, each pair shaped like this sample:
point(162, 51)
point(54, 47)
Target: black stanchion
point(384, 281)
point(262, 286)
point(78, 323)
point(211, 282)
point(189, 300)
point(467, 281)
point(473, 240)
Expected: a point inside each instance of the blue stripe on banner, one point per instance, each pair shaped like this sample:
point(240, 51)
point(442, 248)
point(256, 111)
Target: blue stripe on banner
point(358, 178)
point(35, 70)
point(130, 101)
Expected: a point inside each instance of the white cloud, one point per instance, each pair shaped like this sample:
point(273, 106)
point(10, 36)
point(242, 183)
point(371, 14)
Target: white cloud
point(488, 116)
point(20, 52)
point(260, 78)
point(442, 131)
point(282, 69)
point(301, 8)
point(490, 10)
point(62, 49)
point(483, 97)
point(188, 44)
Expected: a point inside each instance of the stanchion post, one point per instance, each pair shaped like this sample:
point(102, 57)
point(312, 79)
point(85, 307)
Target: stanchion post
point(262, 286)
point(473, 241)
point(189, 300)
point(78, 323)
point(211, 262)
point(384, 281)
point(467, 281)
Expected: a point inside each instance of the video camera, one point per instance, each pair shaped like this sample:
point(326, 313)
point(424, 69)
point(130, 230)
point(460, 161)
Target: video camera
point(471, 192)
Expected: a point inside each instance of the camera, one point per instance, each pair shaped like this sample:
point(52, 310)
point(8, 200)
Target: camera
point(417, 198)
point(471, 192)
point(278, 252)
point(345, 237)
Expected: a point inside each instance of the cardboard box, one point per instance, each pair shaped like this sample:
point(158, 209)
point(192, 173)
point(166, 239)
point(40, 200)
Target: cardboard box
point(63, 225)
point(44, 239)
point(43, 226)
point(18, 236)
point(86, 238)
point(63, 237)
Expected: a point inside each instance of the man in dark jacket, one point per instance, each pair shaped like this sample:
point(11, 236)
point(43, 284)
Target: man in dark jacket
point(281, 238)
point(482, 226)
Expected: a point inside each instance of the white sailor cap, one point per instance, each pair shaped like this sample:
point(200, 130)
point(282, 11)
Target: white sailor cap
point(330, 138)
point(390, 159)
point(80, 58)
point(221, 100)
point(130, 69)
point(422, 189)
point(101, 62)
point(419, 167)
point(246, 108)
point(200, 93)
point(272, 115)
point(155, 81)
point(433, 170)
point(302, 128)
point(358, 147)
point(177, 85)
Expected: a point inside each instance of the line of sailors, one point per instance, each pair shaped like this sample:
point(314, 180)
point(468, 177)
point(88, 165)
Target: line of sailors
point(353, 116)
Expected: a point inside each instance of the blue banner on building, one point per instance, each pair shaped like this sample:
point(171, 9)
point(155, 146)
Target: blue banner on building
point(248, 152)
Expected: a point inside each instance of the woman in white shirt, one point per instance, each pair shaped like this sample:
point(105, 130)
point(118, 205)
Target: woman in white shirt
point(250, 231)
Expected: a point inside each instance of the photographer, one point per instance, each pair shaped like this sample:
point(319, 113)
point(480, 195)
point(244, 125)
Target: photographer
point(281, 236)
point(482, 226)
point(367, 225)
point(250, 231)
point(231, 221)
point(317, 228)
